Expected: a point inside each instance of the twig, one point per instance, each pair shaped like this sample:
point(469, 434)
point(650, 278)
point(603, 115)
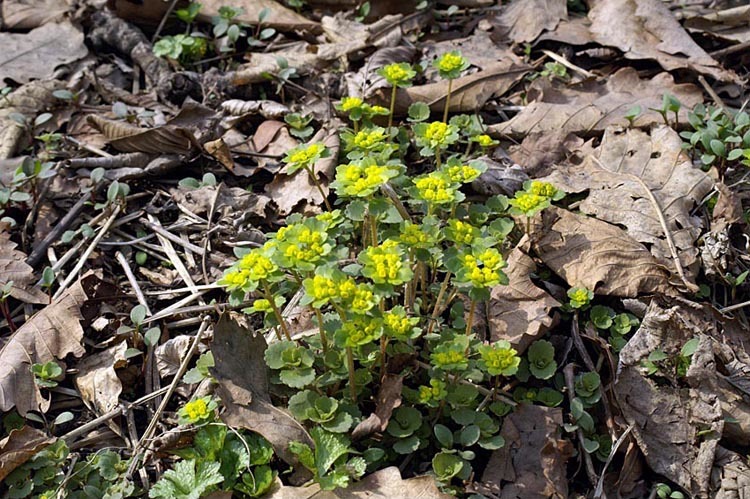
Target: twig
point(710, 91)
point(65, 222)
point(730, 50)
point(82, 261)
point(578, 342)
point(665, 228)
point(148, 433)
point(599, 490)
point(163, 21)
point(562, 60)
point(131, 279)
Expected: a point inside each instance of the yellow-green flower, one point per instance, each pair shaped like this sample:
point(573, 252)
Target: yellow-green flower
point(450, 65)
point(463, 173)
point(482, 269)
point(400, 326)
point(362, 179)
point(451, 355)
point(321, 289)
point(436, 188)
point(544, 189)
point(461, 232)
point(527, 203)
point(197, 410)
point(235, 279)
point(384, 264)
point(484, 140)
point(303, 245)
point(499, 359)
point(257, 265)
point(304, 156)
point(435, 135)
point(398, 74)
point(358, 331)
point(349, 103)
point(580, 297)
point(433, 394)
point(262, 305)
point(414, 236)
point(369, 138)
point(357, 298)
point(379, 110)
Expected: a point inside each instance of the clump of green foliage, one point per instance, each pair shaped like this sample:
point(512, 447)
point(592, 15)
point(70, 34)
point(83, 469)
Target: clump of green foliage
point(395, 269)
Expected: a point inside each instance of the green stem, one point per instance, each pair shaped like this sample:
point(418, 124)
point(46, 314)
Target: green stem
point(276, 311)
point(447, 102)
point(437, 157)
point(350, 367)
point(314, 178)
point(373, 230)
point(323, 339)
point(393, 107)
point(470, 322)
point(355, 124)
point(436, 309)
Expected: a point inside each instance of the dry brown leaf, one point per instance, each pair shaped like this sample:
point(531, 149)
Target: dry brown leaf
point(169, 354)
point(729, 24)
point(36, 54)
point(519, 311)
point(231, 203)
point(617, 196)
point(242, 376)
point(278, 16)
point(524, 20)
point(13, 268)
point(480, 49)
point(28, 14)
point(647, 29)
point(298, 190)
point(52, 333)
point(593, 106)
point(532, 462)
point(730, 477)
point(598, 256)
point(389, 397)
point(20, 446)
point(468, 93)
point(383, 484)
point(366, 81)
point(29, 100)
point(97, 380)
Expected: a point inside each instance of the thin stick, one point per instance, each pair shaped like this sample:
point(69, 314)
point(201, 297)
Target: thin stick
point(65, 222)
point(74, 273)
point(131, 279)
point(665, 228)
point(163, 20)
point(562, 60)
point(710, 91)
point(148, 433)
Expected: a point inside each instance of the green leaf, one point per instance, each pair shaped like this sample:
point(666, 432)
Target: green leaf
point(404, 422)
point(446, 466)
point(718, 148)
point(407, 445)
point(549, 397)
point(138, 315)
point(297, 378)
point(418, 111)
point(187, 480)
point(590, 446)
point(469, 435)
point(541, 355)
point(689, 348)
point(444, 436)
point(602, 316)
point(329, 447)
point(304, 453)
point(492, 443)
point(464, 416)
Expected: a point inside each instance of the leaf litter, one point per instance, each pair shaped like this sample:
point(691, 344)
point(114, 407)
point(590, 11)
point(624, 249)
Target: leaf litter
point(179, 160)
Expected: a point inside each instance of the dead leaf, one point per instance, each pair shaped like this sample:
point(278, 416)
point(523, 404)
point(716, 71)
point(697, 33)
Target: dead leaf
point(52, 333)
point(28, 14)
point(730, 477)
point(97, 379)
point(28, 100)
point(20, 446)
point(647, 29)
point(389, 397)
point(532, 462)
point(596, 255)
point(231, 202)
point(729, 24)
point(524, 20)
point(278, 16)
point(617, 196)
point(383, 484)
point(519, 311)
point(366, 81)
point(242, 376)
point(539, 153)
point(501, 177)
point(13, 268)
point(592, 106)
point(36, 54)
point(169, 354)
point(728, 208)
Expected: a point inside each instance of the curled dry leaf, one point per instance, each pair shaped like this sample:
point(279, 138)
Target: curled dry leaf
point(13, 268)
point(730, 477)
point(51, 334)
point(524, 20)
point(626, 165)
point(242, 376)
point(28, 14)
point(36, 54)
point(533, 461)
point(233, 203)
point(647, 29)
point(596, 255)
point(519, 311)
point(389, 397)
point(383, 484)
point(593, 106)
point(97, 380)
point(20, 446)
point(169, 354)
point(278, 16)
point(729, 24)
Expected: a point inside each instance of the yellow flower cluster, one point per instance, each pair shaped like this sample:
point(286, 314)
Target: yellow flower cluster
point(462, 173)
point(450, 62)
point(489, 273)
point(367, 139)
point(435, 189)
point(262, 305)
point(360, 299)
point(360, 181)
point(360, 332)
point(197, 409)
point(527, 201)
point(580, 295)
point(398, 325)
point(306, 155)
point(430, 395)
point(500, 360)
point(412, 235)
point(257, 265)
point(448, 357)
point(309, 247)
point(437, 131)
point(397, 74)
point(349, 103)
point(544, 189)
point(483, 140)
point(322, 288)
point(462, 232)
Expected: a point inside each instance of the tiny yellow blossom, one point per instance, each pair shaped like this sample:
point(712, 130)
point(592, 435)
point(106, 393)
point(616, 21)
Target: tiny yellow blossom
point(322, 288)
point(499, 359)
point(398, 74)
point(463, 174)
point(461, 232)
point(544, 189)
point(435, 189)
point(257, 265)
point(197, 409)
point(367, 139)
point(484, 140)
point(451, 64)
point(305, 155)
point(349, 103)
point(361, 180)
point(262, 305)
point(529, 203)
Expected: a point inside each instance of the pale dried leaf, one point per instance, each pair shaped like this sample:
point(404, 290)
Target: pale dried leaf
point(279, 17)
point(647, 29)
point(596, 255)
point(97, 380)
point(13, 268)
point(533, 461)
point(28, 14)
point(169, 354)
point(50, 334)
point(37, 53)
point(389, 397)
point(242, 376)
point(231, 202)
point(29, 100)
point(519, 311)
point(383, 484)
point(593, 106)
point(616, 196)
point(729, 24)
point(524, 20)
point(20, 446)
point(730, 477)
